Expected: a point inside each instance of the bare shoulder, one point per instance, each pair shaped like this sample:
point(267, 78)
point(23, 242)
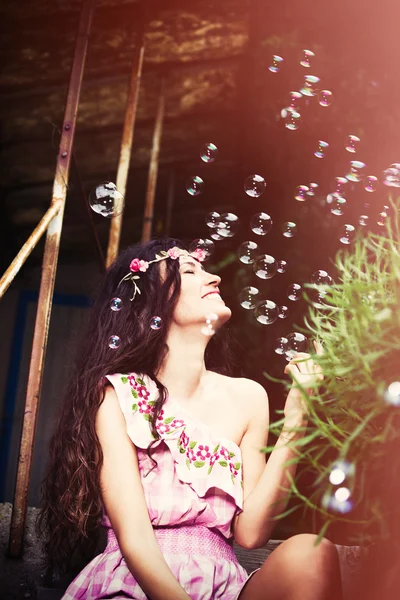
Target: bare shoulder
point(248, 394)
point(109, 412)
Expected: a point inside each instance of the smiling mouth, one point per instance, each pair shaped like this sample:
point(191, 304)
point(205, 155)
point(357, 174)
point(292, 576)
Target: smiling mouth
point(213, 294)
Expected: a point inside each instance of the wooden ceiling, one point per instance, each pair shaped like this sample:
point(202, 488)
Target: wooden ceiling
point(205, 52)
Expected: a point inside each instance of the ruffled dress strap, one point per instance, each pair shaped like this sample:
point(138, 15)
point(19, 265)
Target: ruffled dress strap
point(202, 459)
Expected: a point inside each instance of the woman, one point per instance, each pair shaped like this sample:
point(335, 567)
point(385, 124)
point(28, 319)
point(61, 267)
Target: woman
point(158, 445)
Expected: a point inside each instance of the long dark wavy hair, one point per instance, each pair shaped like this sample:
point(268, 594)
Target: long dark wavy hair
point(72, 506)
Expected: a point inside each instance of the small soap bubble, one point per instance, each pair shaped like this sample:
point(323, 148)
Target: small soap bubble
point(355, 174)
point(392, 175)
point(116, 304)
point(337, 501)
point(301, 193)
point(209, 326)
point(265, 266)
point(317, 297)
point(266, 312)
point(341, 183)
point(382, 218)
point(289, 229)
point(338, 204)
point(156, 323)
point(307, 56)
point(106, 200)
point(294, 292)
point(248, 297)
point(261, 223)
point(209, 153)
point(254, 186)
point(247, 252)
point(228, 225)
point(214, 235)
point(325, 98)
point(194, 186)
point(352, 142)
point(347, 234)
point(371, 183)
point(281, 266)
point(309, 89)
point(391, 394)
point(206, 246)
point(281, 345)
point(321, 278)
point(297, 342)
point(114, 342)
point(340, 471)
point(293, 105)
point(276, 64)
point(363, 220)
point(283, 312)
point(212, 220)
point(292, 119)
point(322, 146)
point(313, 187)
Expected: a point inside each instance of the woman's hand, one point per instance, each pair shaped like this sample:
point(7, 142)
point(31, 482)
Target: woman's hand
point(307, 373)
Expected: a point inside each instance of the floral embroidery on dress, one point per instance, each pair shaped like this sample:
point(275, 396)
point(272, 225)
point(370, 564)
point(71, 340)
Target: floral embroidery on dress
point(198, 455)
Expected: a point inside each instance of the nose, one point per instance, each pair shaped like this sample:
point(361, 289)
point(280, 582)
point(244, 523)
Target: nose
point(213, 279)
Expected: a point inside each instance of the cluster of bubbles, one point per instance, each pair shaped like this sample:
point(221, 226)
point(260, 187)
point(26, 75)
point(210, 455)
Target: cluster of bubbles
point(338, 496)
point(288, 346)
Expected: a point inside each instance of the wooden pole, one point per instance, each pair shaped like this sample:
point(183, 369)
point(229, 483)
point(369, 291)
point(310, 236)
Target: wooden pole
point(153, 169)
point(127, 138)
point(49, 268)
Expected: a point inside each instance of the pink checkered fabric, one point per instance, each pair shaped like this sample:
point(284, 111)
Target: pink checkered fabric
point(192, 496)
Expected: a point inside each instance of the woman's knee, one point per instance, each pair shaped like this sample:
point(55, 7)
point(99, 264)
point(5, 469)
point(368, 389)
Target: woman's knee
point(303, 554)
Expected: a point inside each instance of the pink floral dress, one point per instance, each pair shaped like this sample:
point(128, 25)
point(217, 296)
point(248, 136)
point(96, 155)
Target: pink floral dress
point(192, 497)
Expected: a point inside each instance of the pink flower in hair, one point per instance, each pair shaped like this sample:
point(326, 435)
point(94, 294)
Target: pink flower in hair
point(174, 253)
point(138, 265)
point(199, 254)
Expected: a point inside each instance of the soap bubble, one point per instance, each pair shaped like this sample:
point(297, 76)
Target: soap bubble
point(321, 278)
point(266, 312)
point(355, 174)
point(254, 186)
point(317, 297)
point(265, 266)
point(391, 394)
point(313, 187)
point(289, 229)
point(309, 89)
point(382, 218)
point(214, 235)
point(341, 183)
point(347, 234)
point(294, 292)
point(228, 225)
point(292, 119)
point(106, 200)
point(261, 223)
point(207, 246)
point(283, 312)
point(114, 342)
point(307, 56)
point(155, 323)
point(325, 98)
point(276, 63)
point(209, 153)
point(338, 204)
point(337, 501)
point(281, 266)
point(194, 185)
point(247, 252)
point(352, 142)
point(209, 326)
point(322, 146)
point(363, 220)
point(370, 183)
point(281, 345)
point(392, 175)
point(248, 297)
point(297, 342)
point(340, 471)
point(212, 220)
point(116, 304)
point(301, 193)
point(293, 105)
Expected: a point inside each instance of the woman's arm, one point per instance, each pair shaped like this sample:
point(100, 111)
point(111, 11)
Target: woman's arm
point(126, 506)
point(265, 485)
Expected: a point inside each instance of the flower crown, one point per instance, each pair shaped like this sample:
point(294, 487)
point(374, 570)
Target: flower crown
point(136, 266)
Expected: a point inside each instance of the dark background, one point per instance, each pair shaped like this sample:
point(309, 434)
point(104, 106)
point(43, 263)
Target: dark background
point(214, 57)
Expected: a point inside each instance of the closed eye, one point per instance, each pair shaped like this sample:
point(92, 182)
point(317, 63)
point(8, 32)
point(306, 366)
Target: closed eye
point(192, 272)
